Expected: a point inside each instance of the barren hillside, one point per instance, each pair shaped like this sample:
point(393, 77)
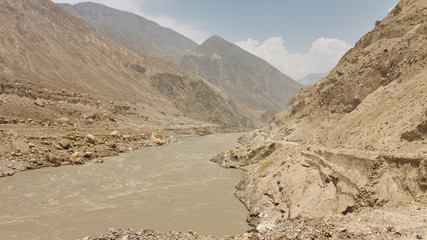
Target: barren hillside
point(354, 145)
point(43, 46)
point(133, 31)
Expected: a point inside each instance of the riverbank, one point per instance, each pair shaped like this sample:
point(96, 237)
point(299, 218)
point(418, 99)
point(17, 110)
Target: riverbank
point(28, 145)
point(401, 223)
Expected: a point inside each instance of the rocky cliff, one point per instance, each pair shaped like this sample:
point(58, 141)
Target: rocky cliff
point(133, 31)
point(354, 145)
point(259, 89)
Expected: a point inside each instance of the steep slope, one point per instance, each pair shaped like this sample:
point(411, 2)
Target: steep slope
point(133, 31)
point(259, 89)
point(312, 78)
point(43, 46)
point(355, 142)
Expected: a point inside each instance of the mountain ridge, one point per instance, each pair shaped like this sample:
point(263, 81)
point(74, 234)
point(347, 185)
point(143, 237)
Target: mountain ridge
point(147, 36)
point(258, 88)
point(61, 51)
point(242, 71)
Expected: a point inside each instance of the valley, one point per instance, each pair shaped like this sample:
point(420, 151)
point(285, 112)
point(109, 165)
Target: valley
point(105, 104)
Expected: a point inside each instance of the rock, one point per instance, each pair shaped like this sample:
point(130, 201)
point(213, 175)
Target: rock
point(98, 160)
point(156, 140)
point(31, 145)
point(58, 147)
point(63, 121)
point(77, 158)
point(115, 133)
point(88, 154)
point(113, 145)
point(345, 202)
point(91, 138)
point(65, 143)
point(39, 103)
point(9, 172)
point(89, 121)
point(99, 141)
point(54, 159)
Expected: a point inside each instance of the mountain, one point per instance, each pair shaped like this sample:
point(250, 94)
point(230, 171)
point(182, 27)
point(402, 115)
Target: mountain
point(312, 78)
point(259, 89)
point(352, 146)
point(44, 47)
point(133, 31)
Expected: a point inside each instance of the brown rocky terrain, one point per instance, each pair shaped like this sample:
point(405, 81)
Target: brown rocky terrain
point(65, 87)
point(43, 46)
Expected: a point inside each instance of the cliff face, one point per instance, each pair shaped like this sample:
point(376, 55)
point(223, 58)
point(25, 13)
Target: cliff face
point(258, 89)
point(44, 47)
point(353, 142)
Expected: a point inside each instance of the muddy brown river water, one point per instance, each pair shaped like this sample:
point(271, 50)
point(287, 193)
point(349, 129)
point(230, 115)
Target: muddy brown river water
point(173, 187)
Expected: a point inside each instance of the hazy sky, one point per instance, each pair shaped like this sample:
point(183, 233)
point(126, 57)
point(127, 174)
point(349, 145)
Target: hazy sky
point(296, 36)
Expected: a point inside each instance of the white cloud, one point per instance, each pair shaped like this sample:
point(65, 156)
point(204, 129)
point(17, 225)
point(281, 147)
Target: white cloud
point(323, 55)
point(135, 6)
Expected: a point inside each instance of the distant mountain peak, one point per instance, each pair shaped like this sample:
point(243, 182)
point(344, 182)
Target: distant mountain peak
point(215, 38)
point(259, 89)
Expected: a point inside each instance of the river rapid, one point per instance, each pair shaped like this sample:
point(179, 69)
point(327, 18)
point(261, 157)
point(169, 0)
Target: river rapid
point(169, 188)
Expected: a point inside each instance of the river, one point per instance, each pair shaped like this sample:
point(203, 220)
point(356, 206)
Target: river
point(168, 188)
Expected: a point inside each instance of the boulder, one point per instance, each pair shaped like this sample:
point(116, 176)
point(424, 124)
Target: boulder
point(65, 143)
point(157, 140)
point(115, 133)
point(77, 158)
point(98, 160)
point(39, 103)
point(63, 121)
point(91, 138)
